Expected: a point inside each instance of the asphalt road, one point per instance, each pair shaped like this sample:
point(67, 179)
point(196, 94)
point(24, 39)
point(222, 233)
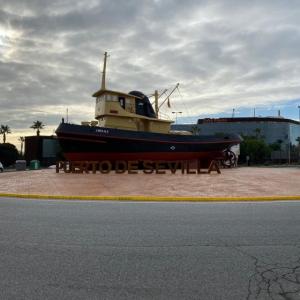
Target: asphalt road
point(113, 250)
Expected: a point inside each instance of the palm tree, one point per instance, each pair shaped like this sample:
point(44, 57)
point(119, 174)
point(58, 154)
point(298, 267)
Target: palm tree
point(38, 125)
point(22, 140)
point(195, 130)
point(257, 132)
point(4, 130)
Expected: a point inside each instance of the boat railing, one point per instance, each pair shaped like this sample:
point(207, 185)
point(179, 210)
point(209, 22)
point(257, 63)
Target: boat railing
point(164, 116)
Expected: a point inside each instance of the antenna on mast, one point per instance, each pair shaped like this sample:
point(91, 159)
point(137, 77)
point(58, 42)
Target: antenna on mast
point(104, 72)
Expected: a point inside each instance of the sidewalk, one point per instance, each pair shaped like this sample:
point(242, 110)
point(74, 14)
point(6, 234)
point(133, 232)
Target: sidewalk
point(238, 182)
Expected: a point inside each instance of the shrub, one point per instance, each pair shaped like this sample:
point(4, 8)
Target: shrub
point(8, 154)
point(256, 149)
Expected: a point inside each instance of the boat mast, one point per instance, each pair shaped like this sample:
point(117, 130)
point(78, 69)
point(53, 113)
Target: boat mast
point(104, 72)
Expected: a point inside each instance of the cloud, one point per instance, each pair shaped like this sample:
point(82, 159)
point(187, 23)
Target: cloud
point(224, 54)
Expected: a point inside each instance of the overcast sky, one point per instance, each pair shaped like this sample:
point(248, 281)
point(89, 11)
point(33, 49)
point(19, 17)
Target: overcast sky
point(225, 54)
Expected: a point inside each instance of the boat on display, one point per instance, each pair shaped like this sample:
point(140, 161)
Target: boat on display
point(127, 127)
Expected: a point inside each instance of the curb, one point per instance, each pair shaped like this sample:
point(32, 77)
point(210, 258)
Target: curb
point(154, 198)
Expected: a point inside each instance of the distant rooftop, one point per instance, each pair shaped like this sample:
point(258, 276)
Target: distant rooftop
point(247, 119)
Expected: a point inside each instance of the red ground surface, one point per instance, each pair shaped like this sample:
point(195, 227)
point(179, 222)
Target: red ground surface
point(244, 181)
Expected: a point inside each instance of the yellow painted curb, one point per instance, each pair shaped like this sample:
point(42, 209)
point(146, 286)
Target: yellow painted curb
point(155, 198)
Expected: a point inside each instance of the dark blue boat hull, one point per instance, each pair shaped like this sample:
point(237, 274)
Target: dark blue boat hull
point(80, 143)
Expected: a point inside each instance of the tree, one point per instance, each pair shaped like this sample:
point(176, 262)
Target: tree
point(22, 140)
point(275, 146)
point(256, 148)
point(4, 130)
point(280, 143)
point(8, 153)
point(258, 134)
point(37, 125)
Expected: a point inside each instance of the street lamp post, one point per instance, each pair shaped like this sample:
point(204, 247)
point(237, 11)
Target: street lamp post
point(176, 113)
point(299, 112)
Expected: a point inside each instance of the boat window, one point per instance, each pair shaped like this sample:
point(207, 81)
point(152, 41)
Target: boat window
point(100, 98)
point(122, 101)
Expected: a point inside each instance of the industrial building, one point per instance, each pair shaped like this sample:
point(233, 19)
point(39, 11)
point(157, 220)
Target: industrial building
point(45, 149)
point(285, 132)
